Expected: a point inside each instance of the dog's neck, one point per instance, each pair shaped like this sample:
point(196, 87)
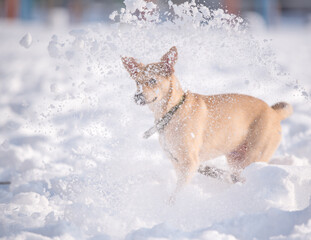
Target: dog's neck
point(172, 98)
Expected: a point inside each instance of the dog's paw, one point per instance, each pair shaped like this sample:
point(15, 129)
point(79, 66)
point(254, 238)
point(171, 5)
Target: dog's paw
point(236, 178)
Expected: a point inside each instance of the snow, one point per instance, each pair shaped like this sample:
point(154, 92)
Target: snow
point(71, 135)
point(133, 5)
point(26, 41)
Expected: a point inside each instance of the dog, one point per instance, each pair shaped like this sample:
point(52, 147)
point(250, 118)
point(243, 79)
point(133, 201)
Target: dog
point(194, 128)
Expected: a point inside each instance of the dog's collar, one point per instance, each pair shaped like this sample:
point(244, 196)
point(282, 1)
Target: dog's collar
point(162, 122)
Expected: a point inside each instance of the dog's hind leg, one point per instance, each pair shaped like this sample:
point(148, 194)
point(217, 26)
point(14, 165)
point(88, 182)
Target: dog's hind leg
point(260, 144)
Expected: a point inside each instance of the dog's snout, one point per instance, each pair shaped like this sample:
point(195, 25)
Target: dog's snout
point(139, 98)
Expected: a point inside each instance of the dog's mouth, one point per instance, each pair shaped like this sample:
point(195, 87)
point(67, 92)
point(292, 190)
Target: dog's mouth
point(143, 102)
point(140, 99)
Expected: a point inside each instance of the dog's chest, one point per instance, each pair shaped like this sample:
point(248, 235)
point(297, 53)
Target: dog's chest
point(162, 139)
point(168, 146)
point(170, 140)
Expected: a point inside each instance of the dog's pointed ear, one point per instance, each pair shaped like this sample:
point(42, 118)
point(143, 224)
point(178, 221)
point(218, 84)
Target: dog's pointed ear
point(169, 59)
point(131, 65)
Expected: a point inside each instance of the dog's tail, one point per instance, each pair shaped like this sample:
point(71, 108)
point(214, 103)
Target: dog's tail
point(283, 109)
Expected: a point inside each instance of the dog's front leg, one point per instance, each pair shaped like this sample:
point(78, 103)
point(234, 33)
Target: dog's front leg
point(186, 167)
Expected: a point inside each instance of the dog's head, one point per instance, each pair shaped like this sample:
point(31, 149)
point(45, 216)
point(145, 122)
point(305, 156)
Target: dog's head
point(152, 80)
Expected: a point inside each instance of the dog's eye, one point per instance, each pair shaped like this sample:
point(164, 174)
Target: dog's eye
point(151, 82)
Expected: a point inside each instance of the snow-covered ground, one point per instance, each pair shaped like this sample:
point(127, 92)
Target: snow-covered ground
point(71, 136)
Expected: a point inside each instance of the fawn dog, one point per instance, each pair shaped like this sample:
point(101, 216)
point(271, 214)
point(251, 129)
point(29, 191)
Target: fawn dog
point(194, 128)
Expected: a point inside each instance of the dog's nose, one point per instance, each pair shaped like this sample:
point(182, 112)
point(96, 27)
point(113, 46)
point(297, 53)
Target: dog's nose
point(140, 99)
